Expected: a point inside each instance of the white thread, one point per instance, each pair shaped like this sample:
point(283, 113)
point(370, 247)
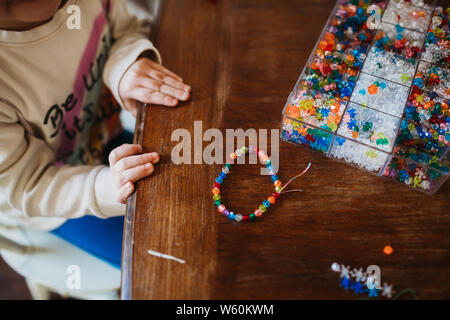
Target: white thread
point(165, 256)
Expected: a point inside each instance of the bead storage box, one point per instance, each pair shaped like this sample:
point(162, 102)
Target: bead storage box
point(378, 98)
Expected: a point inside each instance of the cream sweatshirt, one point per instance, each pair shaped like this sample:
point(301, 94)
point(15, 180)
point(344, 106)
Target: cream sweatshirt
point(56, 114)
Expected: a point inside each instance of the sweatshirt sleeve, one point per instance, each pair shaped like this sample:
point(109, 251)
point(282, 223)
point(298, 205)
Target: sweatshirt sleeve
point(33, 186)
point(130, 35)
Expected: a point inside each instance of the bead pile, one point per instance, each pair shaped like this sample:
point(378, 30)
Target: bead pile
point(378, 99)
point(437, 44)
point(226, 170)
point(360, 281)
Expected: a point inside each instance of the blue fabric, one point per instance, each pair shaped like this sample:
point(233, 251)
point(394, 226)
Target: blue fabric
point(100, 237)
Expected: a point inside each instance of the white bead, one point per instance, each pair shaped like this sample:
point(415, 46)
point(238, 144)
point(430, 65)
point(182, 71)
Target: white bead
point(239, 217)
point(225, 170)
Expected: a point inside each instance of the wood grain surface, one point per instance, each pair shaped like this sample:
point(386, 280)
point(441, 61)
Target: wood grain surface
point(242, 59)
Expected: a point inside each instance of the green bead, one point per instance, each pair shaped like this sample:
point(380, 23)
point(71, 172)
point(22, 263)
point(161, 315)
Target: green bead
point(268, 163)
point(243, 149)
point(262, 208)
point(216, 197)
point(228, 165)
point(252, 216)
point(217, 203)
point(278, 189)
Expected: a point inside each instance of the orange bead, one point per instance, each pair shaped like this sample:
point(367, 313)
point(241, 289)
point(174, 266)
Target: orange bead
point(271, 199)
point(277, 183)
point(388, 250)
point(215, 190)
point(355, 134)
point(233, 155)
point(329, 37)
point(322, 45)
point(264, 158)
point(372, 89)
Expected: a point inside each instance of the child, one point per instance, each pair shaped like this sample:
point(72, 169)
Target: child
point(57, 119)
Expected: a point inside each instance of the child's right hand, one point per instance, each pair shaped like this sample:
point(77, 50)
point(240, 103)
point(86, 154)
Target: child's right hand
point(128, 165)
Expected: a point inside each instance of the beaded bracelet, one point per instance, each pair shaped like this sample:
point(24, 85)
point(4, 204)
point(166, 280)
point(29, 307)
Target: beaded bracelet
point(266, 203)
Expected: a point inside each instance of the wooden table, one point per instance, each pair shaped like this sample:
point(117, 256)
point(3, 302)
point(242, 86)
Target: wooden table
point(242, 59)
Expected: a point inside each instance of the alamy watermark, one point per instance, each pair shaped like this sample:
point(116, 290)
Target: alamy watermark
point(189, 149)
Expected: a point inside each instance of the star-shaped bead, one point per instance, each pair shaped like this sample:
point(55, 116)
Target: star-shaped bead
point(387, 290)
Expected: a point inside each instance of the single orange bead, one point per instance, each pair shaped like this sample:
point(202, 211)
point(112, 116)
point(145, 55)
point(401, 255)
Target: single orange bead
point(271, 199)
point(372, 89)
point(388, 250)
point(264, 158)
point(277, 183)
point(215, 190)
point(233, 155)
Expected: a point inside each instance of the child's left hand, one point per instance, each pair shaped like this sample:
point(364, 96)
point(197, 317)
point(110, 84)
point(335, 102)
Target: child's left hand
point(148, 82)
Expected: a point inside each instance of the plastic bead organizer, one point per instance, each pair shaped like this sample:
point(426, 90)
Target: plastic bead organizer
point(379, 98)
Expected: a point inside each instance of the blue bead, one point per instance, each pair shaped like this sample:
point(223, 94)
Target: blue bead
point(269, 167)
point(219, 179)
point(231, 216)
point(266, 203)
point(222, 175)
point(274, 178)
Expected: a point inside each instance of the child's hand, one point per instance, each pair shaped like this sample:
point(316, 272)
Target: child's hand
point(148, 82)
point(128, 165)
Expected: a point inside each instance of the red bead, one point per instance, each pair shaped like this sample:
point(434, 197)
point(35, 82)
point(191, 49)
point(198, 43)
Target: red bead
point(276, 195)
point(216, 185)
point(245, 218)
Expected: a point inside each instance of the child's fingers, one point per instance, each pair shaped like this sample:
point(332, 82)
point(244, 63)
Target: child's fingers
point(147, 96)
point(171, 91)
point(159, 67)
point(124, 150)
point(134, 161)
point(124, 192)
point(157, 75)
point(156, 85)
point(135, 174)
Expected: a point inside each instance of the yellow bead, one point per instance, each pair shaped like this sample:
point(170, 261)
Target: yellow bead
point(278, 189)
point(262, 208)
point(216, 197)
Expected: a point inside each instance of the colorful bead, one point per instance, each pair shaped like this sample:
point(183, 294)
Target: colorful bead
point(252, 216)
point(215, 190)
point(216, 197)
point(258, 213)
point(261, 154)
point(217, 203)
point(219, 180)
point(274, 178)
point(231, 216)
point(238, 217)
point(262, 208)
point(277, 183)
point(278, 189)
point(225, 170)
point(271, 199)
point(221, 208)
point(216, 185)
point(243, 149)
point(266, 203)
point(276, 195)
point(233, 155)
